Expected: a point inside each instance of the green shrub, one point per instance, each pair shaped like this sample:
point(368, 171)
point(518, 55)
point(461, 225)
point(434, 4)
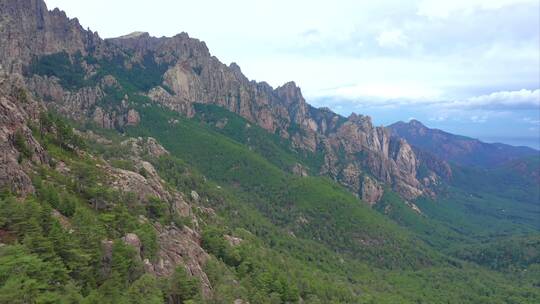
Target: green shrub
point(156, 208)
point(182, 287)
point(148, 237)
point(67, 69)
point(19, 141)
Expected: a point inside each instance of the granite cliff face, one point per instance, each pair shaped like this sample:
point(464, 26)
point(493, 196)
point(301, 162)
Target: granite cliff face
point(359, 155)
point(85, 103)
point(28, 29)
point(18, 148)
point(356, 153)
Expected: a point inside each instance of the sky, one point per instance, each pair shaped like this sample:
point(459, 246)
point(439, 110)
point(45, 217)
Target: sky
point(470, 67)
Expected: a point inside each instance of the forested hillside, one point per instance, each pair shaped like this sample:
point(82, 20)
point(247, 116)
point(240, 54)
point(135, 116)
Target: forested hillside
point(142, 170)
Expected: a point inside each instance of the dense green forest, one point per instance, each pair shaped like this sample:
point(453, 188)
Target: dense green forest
point(303, 239)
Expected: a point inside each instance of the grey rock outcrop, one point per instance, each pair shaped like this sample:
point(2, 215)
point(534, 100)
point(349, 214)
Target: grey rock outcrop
point(195, 76)
point(161, 96)
point(28, 29)
point(133, 240)
point(192, 75)
point(180, 246)
point(17, 110)
point(372, 191)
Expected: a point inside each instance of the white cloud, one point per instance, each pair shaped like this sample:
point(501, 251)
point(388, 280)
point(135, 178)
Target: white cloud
point(392, 38)
point(443, 9)
point(531, 121)
point(522, 99)
point(479, 118)
point(438, 118)
point(474, 109)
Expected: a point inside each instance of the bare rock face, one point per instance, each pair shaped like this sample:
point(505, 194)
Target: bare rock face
point(180, 246)
point(197, 77)
point(149, 186)
point(372, 191)
point(142, 180)
point(85, 102)
point(413, 207)
point(176, 247)
point(75, 104)
point(106, 257)
point(17, 145)
point(389, 159)
point(145, 146)
point(233, 241)
point(133, 118)
point(351, 146)
point(27, 29)
point(299, 170)
point(133, 240)
point(176, 103)
point(350, 177)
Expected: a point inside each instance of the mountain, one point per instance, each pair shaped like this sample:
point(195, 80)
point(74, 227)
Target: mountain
point(179, 72)
point(458, 149)
point(143, 170)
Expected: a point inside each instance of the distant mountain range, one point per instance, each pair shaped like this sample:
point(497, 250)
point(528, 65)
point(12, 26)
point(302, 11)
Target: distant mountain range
point(459, 149)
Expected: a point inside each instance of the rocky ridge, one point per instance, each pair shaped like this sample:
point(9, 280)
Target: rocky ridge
point(357, 154)
point(28, 28)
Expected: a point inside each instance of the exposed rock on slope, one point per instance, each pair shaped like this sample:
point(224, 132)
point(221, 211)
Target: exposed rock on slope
point(85, 103)
point(353, 148)
point(180, 247)
point(176, 245)
point(17, 145)
point(196, 76)
point(28, 29)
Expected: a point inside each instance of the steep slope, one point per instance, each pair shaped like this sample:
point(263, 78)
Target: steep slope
point(28, 29)
point(458, 149)
point(91, 221)
point(16, 140)
point(73, 218)
point(354, 149)
point(99, 225)
point(178, 72)
point(106, 214)
point(301, 205)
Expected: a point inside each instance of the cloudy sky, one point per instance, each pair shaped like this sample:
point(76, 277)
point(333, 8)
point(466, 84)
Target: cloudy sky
point(470, 67)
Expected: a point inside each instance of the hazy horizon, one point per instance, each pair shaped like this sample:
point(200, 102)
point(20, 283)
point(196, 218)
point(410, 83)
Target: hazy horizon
point(467, 67)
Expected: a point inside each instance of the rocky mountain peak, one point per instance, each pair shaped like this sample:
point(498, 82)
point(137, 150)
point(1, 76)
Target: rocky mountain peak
point(235, 67)
point(192, 75)
point(363, 121)
point(290, 93)
point(416, 123)
point(134, 35)
point(172, 49)
point(29, 29)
